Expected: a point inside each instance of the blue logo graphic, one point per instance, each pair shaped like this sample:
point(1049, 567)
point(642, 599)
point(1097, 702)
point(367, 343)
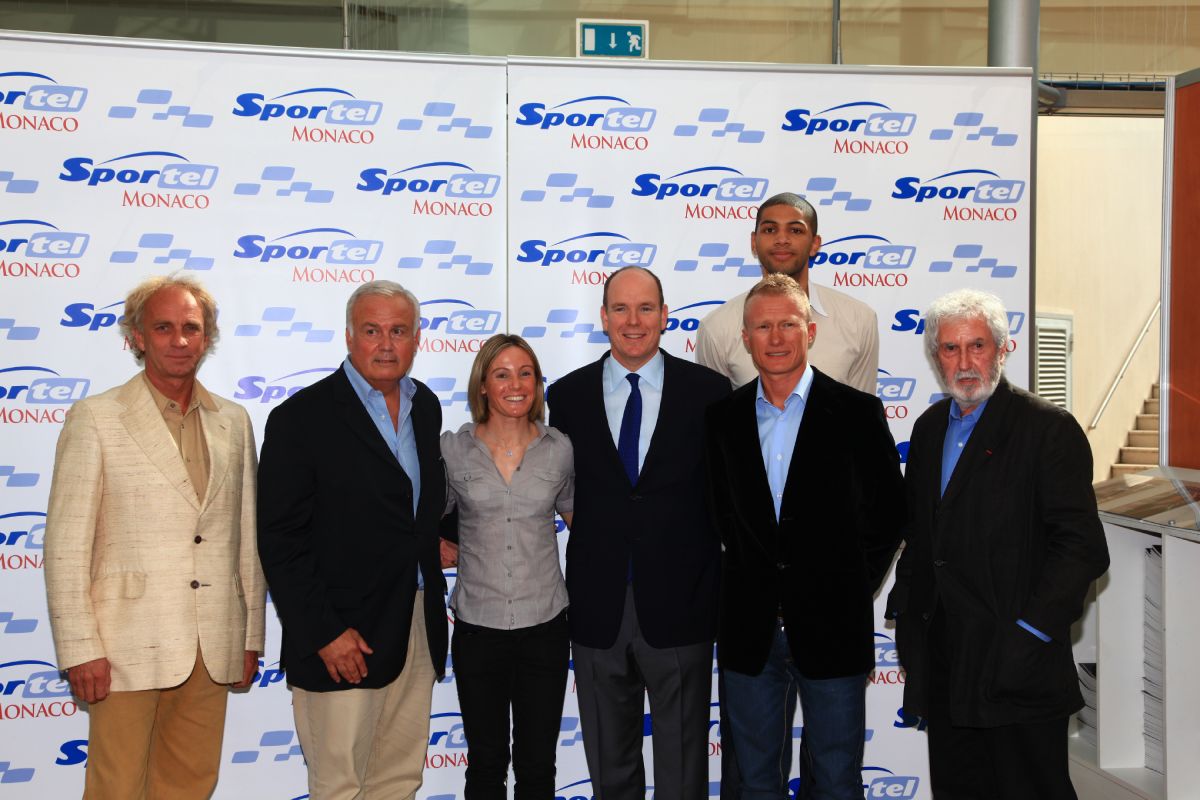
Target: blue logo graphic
point(910, 320)
point(48, 97)
point(86, 315)
point(279, 741)
point(974, 253)
point(862, 251)
point(14, 185)
point(444, 389)
point(956, 186)
point(888, 784)
point(738, 189)
point(257, 387)
point(25, 679)
point(17, 480)
point(344, 110)
point(158, 103)
point(181, 175)
point(444, 257)
point(624, 118)
point(568, 327)
point(847, 199)
point(11, 774)
point(445, 733)
point(160, 245)
point(677, 320)
point(443, 120)
point(886, 656)
point(716, 121)
point(905, 719)
point(55, 390)
point(853, 118)
point(422, 179)
point(566, 181)
point(74, 751)
point(614, 255)
point(43, 240)
point(284, 185)
point(579, 790)
point(891, 389)
point(266, 676)
point(570, 732)
point(971, 123)
point(17, 333)
point(286, 326)
point(29, 534)
point(11, 624)
point(349, 252)
point(466, 321)
point(719, 252)
point(902, 451)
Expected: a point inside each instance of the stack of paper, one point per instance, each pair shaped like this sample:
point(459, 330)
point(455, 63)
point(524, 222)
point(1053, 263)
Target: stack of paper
point(1152, 681)
point(1087, 714)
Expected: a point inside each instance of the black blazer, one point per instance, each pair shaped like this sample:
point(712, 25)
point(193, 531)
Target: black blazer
point(839, 525)
point(661, 523)
point(1016, 536)
point(336, 533)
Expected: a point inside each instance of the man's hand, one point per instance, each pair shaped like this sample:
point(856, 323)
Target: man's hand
point(343, 657)
point(249, 667)
point(90, 681)
point(449, 552)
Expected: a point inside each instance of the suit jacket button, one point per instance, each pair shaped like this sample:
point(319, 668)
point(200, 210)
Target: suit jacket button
point(195, 584)
point(198, 539)
point(939, 563)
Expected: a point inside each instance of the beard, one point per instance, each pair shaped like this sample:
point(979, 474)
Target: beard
point(968, 398)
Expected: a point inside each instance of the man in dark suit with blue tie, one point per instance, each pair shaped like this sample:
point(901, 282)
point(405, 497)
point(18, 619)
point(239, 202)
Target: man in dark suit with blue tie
point(642, 560)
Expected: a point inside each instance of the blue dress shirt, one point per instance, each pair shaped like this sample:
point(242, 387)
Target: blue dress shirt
point(777, 431)
point(616, 394)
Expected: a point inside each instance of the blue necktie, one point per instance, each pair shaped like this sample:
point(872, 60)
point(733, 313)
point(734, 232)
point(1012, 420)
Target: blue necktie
point(631, 428)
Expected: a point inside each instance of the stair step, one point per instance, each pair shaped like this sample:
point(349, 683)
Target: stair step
point(1129, 469)
point(1140, 455)
point(1150, 407)
point(1147, 422)
point(1154, 392)
point(1142, 439)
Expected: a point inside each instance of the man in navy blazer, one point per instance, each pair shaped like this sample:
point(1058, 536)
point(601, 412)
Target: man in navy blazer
point(351, 489)
point(809, 502)
point(642, 559)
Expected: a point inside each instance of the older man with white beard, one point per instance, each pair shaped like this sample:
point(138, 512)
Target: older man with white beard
point(1002, 543)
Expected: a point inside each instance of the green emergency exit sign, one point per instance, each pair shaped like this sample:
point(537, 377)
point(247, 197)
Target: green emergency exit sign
point(612, 38)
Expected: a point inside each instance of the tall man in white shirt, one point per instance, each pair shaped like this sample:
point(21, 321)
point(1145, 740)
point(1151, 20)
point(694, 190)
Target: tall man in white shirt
point(846, 347)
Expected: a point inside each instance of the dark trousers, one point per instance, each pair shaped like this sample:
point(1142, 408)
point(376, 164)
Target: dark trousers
point(1009, 762)
point(612, 685)
point(523, 669)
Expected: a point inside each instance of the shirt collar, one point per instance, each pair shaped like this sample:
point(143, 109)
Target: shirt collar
point(957, 415)
point(651, 372)
point(800, 390)
point(200, 397)
point(364, 389)
point(814, 299)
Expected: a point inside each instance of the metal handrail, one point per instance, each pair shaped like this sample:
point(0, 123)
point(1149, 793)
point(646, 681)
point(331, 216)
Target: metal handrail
point(1128, 360)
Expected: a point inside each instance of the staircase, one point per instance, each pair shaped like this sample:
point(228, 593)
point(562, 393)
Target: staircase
point(1141, 444)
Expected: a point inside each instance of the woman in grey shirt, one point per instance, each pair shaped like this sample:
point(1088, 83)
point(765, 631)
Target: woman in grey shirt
point(509, 473)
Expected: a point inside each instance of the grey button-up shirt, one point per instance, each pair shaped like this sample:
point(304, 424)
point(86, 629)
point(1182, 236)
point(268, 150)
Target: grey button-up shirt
point(508, 567)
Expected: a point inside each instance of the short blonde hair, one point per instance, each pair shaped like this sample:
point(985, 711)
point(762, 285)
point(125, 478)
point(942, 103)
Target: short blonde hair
point(483, 362)
point(136, 300)
point(779, 285)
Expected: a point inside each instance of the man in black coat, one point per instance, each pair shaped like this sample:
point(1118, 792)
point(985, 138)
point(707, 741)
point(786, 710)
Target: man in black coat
point(809, 502)
point(1003, 543)
point(350, 490)
point(642, 559)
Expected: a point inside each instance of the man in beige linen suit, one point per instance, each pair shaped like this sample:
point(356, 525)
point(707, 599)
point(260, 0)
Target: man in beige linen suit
point(153, 582)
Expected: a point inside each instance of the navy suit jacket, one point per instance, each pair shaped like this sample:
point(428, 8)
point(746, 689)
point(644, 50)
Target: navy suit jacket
point(337, 537)
point(661, 523)
point(839, 525)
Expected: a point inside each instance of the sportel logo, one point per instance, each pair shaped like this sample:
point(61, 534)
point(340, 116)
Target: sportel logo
point(22, 537)
point(317, 245)
point(857, 117)
point(264, 390)
point(578, 790)
point(881, 782)
point(466, 321)
point(689, 322)
point(41, 240)
point(434, 177)
point(962, 184)
point(596, 248)
point(32, 689)
point(30, 385)
point(45, 97)
point(876, 261)
point(329, 106)
point(86, 315)
point(894, 389)
point(722, 184)
point(447, 741)
point(887, 662)
point(910, 320)
point(72, 752)
point(595, 111)
point(140, 169)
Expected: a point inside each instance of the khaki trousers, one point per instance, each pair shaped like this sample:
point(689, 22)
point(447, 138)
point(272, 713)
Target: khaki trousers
point(370, 744)
point(157, 744)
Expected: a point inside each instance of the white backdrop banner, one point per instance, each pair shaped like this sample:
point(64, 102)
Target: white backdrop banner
point(285, 178)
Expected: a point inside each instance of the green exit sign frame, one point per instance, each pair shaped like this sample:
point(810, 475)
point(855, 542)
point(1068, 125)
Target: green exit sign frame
point(612, 38)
